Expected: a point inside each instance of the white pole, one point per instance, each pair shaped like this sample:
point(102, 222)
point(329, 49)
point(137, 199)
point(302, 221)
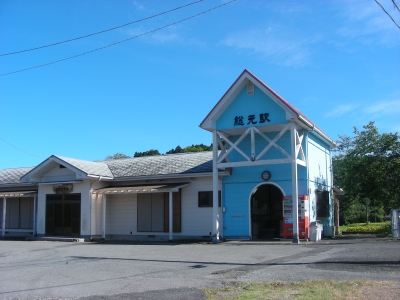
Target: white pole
point(215, 237)
point(4, 217)
point(34, 215)
point(103, 223)
point(295, 192)
point(170, 216)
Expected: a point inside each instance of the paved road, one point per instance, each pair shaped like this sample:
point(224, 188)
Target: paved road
point(37, 269)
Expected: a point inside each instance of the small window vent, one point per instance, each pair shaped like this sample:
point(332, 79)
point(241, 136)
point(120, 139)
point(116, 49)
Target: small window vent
point(250, 88)
point(62, 167)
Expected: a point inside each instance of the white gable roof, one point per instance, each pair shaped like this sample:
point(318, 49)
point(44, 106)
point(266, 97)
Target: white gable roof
point(83, 169)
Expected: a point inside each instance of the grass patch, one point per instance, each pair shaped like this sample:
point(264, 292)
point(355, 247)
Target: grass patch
point(311, 290)
point(382, 229)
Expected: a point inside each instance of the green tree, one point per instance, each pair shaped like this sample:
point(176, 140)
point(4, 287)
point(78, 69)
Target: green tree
point(177, 149)
point(192, 148)
point(117, 156)
point(150, 152)
point(367, 167)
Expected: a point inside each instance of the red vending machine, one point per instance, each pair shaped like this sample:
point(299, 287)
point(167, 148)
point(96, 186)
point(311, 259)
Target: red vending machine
point(303, 210)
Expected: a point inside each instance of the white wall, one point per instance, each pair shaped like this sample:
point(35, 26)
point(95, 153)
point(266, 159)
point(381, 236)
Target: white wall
point(97, 209)
point(58, 174)
point(121, 211)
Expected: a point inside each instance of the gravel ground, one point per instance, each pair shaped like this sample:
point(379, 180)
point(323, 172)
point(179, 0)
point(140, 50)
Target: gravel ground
point(61, 270)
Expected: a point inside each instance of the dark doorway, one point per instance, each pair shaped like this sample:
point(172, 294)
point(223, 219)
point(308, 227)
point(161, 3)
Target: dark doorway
point(266, 212)
point(63, 214)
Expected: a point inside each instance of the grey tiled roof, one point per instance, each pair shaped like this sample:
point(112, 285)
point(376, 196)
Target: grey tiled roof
point(185, 163)
point(12, 176)
point(89, 167)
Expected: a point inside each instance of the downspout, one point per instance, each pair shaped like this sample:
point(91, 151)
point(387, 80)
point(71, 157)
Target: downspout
point(331, 190)
point(308, 180)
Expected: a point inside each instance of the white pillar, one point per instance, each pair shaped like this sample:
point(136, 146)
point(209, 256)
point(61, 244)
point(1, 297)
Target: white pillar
point(34, 215)
point(215, 237)
point(3, 233)
point(103, 220)
point(295, 192)
point(170, 216)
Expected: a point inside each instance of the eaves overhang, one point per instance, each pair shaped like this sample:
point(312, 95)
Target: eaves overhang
point(170, 176)
point(139, 189)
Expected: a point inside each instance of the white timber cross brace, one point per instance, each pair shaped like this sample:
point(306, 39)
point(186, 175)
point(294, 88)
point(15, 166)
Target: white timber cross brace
point(254, 159)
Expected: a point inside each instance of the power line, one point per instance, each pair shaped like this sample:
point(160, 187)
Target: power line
point(120, 42)
point(99, 32)
point(387, 13)
point(395, 4)
point(19, 148)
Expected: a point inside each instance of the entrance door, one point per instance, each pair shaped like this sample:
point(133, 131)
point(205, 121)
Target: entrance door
point(266, 212)
point(63, 214)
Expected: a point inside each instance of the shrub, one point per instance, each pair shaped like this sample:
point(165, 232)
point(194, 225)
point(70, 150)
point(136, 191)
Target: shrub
point(368, 228)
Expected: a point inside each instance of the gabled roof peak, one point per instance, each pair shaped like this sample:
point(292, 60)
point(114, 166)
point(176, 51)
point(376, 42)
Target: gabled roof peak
point(292, 113)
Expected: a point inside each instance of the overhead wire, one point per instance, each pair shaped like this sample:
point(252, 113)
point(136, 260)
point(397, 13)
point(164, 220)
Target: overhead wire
point(395, 4)
point(120, 42)
point(387, 13)
point(102, 31)
point(19, 148)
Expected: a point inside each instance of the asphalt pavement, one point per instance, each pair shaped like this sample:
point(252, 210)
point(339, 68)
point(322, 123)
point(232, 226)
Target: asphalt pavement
point(121, 270)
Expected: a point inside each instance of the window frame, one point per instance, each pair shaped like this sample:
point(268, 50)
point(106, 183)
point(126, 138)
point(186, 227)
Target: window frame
point(209, 201)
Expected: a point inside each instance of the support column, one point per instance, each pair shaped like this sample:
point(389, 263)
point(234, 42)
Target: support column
point(3, 232)
point(295, 192)
point(336, 214)
point(34, 215)
point(215, 237)
point(171, 229)
point(103, 220)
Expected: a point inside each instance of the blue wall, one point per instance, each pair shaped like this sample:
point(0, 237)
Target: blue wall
point(255, 104)
point(238, 187)
point(319, 174)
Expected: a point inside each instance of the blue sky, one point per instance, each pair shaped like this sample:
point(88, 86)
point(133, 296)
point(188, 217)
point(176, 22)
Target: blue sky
point(336, 61)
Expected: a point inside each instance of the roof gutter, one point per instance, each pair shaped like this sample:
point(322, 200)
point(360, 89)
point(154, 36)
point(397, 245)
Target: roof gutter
point(317, 130)
point(99, 178)
point(16, 184)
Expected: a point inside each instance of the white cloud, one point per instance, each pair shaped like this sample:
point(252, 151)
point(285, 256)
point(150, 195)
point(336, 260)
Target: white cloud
point(138, 5)
point(366, 23)
point(274, 44)
point(170, 35)
point(340, 110)
point(383, 108)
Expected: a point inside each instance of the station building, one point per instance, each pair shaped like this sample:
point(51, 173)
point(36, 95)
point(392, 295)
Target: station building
point(267, 159)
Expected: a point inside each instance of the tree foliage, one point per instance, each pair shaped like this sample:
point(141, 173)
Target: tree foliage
point(150, 152)
point(192, 148)
point(117, 156)
point(367, 167)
